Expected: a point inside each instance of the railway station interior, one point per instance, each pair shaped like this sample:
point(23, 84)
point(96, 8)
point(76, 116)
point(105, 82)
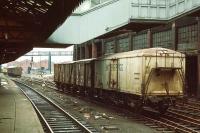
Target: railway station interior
point(99, 31)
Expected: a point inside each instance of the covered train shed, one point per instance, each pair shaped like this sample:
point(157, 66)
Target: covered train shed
point(174, 25)
point(135, 68)
point(25, 24)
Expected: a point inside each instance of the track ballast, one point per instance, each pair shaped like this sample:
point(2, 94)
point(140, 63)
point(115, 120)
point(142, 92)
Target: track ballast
point(56, 120)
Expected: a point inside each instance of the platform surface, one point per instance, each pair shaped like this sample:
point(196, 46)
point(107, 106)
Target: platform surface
point(16, 112)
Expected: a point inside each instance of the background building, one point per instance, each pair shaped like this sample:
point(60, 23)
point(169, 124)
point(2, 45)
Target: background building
point(103, 27)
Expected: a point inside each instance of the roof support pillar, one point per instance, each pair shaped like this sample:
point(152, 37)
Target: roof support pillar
point(94, 50)
point(198, 60)
point(198, 76)
point(102, 47)
point(87, 50)
point(82, 51)
point(130, 36)
point(149, 38)
point(75, 53)
point(174, 36)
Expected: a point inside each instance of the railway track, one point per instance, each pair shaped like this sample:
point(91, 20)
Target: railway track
point(170, 122)
point(49, 84)
point(189, 108)
point(179, 119)
point(55, 119)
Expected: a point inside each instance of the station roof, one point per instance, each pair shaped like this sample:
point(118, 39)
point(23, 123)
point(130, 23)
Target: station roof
point(25, 24)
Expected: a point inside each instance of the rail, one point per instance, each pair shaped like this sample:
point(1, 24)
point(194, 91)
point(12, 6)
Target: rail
point(175, 120)
point(55, 118)
point(170, 121)
point(41, 81)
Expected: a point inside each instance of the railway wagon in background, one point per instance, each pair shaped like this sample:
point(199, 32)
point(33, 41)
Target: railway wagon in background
point(14, 71)
point(149, 77)
point(56, 72)
point(59, 74)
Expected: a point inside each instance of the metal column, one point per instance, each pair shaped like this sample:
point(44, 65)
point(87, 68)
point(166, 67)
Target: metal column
point(94, 50)
point(174, 36)
point(149, 38)
point(49, 62)
point(198, 60)
point(0, 72)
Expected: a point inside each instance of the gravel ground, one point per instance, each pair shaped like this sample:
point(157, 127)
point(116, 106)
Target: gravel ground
point(104, 118)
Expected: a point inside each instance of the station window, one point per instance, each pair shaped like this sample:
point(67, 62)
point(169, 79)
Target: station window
point(163, 39)
point(188, 37)
point(109, 47)
point(123, 44)
point(140, 41)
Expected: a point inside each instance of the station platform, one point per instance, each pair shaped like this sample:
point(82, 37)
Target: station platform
point(16, 112)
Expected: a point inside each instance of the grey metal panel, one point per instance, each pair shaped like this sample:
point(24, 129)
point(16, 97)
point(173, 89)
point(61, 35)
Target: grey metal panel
point(98, 21)
point(148, 9)
point(68, 32)
point(177, 7)
point(103, 20)
point(116, 13)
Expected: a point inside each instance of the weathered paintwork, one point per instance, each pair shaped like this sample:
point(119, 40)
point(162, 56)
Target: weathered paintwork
point(68, 70)
point(64, 73)
point(155, 71)
point(14, 71)
point(114, 14)
point(56, 73)
point(80, 69)
point(150, 77)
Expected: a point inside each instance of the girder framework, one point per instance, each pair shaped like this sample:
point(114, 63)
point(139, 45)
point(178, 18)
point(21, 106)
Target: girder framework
point(26, 23)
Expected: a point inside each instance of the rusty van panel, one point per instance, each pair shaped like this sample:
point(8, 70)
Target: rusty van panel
point(80, 73)
point(56, 72)
point(130, 75)
point(165, 82)
point(89, 73)
point(102, 74)
point(61, 73)
point(167, 78)
point(134, 69)
point(68, 73)
point(113, 74)
point(73, 74)
point(98, 74)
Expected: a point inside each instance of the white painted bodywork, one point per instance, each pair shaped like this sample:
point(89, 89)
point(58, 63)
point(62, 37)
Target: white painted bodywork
point(132, 71)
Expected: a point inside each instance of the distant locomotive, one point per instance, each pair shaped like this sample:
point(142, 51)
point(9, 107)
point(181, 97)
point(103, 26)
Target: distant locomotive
point(151, 77)
point(14, 71)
